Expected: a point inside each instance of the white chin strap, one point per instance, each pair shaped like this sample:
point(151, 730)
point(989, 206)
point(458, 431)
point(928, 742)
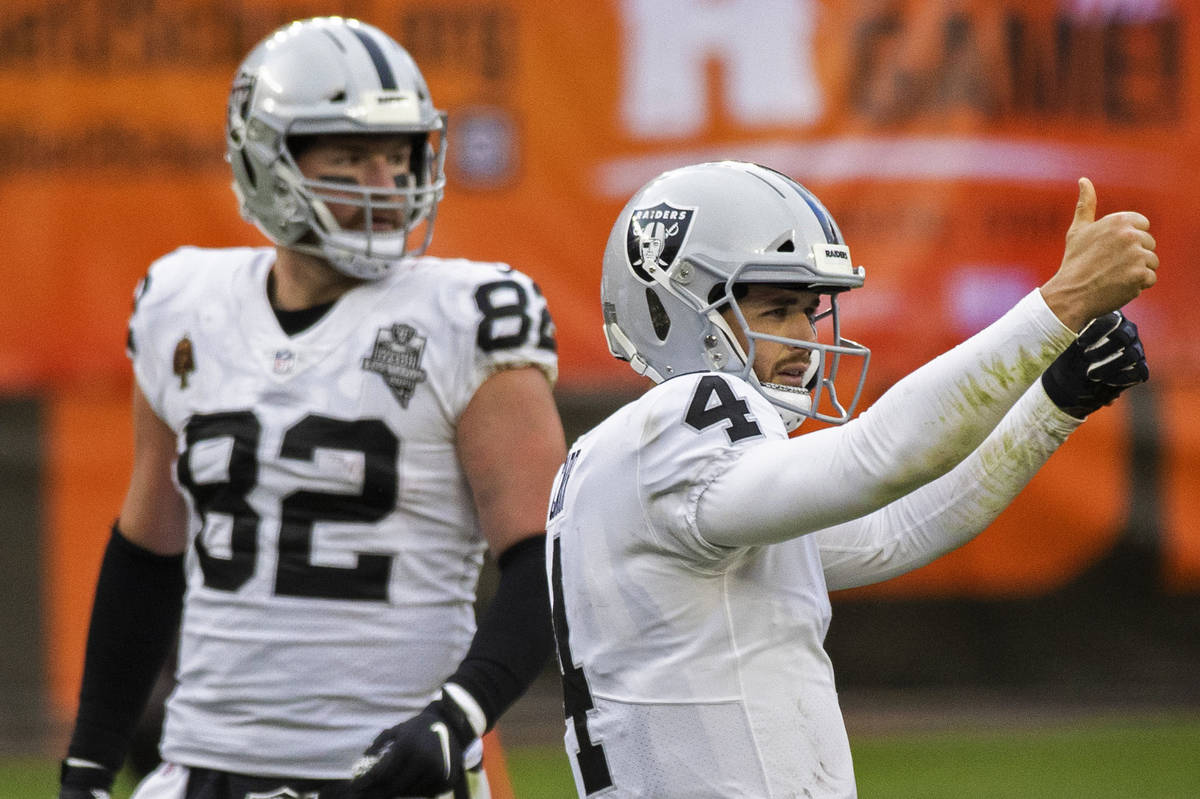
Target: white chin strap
point(788, 401)
point(363, 267)
point(348, 262)
point(793, 403)
point(347, 252)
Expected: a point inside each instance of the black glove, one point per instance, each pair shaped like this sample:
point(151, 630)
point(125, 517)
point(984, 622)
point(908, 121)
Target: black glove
point(336, 790)
point(84, 781)
point(1106, 359)
point(419, 757)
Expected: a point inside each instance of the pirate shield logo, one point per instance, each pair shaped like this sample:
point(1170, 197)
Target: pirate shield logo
point(396, 357)
point(655, 236)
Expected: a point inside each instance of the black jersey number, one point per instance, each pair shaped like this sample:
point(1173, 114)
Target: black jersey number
point(295, 574)
point(506, 321)
point(704, 412)
point(577, 694)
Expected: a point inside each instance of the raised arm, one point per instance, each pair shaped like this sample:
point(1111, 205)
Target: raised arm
point(1107, 359)
point(948, 512)
point(933, 418)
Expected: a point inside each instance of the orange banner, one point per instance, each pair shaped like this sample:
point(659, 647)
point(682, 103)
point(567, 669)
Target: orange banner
point(946, 138)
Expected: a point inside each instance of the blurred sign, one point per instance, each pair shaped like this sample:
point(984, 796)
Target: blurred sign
point(945, 136)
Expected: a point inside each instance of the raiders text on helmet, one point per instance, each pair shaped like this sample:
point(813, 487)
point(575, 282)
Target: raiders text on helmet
point(686, 239)
point(330, 75)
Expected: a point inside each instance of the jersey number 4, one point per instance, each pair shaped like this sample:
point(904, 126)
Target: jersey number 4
point(577, 694)
point(295, 574)
point(714, 402)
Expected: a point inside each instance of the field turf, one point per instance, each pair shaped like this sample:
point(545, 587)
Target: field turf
point(1113, 758)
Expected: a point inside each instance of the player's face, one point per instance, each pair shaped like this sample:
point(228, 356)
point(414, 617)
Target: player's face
point(781, 311)
point(373, 162)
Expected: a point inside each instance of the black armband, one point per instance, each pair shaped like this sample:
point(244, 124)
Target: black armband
point(135, 616)
point(515, 636)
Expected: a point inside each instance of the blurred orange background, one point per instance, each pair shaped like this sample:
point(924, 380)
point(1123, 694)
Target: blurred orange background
point(946, 137)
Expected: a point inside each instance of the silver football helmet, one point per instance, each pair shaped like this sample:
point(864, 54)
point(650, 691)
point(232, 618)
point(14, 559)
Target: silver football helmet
point(681, 245)
point(331, 75)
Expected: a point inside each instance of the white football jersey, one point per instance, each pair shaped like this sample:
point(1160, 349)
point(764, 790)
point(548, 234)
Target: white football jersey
point(692, 670)
point(335, 547)
point(691, 545)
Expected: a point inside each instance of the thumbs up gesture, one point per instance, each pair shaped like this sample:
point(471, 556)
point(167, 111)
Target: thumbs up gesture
point(1107, 262)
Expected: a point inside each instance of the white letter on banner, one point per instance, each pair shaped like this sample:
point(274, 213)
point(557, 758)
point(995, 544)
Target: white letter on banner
point(764, 48)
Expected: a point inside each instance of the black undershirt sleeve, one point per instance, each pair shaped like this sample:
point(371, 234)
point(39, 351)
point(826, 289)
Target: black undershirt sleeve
point(515, 636)
point(135, 617)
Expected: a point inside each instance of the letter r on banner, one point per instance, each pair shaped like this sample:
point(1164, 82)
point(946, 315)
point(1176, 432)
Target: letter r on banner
point(764, 48)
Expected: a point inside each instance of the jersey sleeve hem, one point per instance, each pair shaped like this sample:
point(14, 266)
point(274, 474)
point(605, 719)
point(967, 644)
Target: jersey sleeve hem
point(548, 370)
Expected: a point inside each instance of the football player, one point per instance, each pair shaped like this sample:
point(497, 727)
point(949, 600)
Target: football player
point(326, 439)
point(692, 544)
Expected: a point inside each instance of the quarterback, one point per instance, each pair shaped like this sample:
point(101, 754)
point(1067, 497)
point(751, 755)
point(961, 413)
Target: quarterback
point(323, 449)
point(691, 544)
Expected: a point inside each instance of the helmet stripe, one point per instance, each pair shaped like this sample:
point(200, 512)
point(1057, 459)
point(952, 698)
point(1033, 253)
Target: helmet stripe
point(828, 227)
point(832, 235)
point(387, 79)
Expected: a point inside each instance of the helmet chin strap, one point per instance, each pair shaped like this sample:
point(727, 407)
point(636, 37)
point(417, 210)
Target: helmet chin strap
point(364, 267)
point(793, 396)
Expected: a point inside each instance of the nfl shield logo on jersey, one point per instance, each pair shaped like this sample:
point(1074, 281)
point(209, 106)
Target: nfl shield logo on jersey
point(396, 357)
point(654, 237)
point(284, 362)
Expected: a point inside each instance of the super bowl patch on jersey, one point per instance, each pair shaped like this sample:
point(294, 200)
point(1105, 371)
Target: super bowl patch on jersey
point(396, 357)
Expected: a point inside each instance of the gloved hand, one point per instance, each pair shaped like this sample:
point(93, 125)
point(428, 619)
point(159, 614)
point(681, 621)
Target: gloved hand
point(1106, 359)
point(419, 757)
point(79, 779)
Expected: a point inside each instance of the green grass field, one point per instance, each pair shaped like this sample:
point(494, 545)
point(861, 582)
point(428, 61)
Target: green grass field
point(1102, 759)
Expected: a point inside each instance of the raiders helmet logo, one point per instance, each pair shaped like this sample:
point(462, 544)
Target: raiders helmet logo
point(655, 236)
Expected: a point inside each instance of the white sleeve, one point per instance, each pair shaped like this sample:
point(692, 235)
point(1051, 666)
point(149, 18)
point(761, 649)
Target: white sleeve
point(164, 295)
point(947, 513)
point(917, 431)
point(502, 320)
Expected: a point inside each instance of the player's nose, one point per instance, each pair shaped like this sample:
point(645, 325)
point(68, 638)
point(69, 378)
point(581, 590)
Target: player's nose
point(802, 329)
point(379, 172)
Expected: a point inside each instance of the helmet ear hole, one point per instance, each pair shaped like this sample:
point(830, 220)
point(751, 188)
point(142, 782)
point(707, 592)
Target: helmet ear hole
point(298, 145)
point(787, 246)
point(659, 318)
